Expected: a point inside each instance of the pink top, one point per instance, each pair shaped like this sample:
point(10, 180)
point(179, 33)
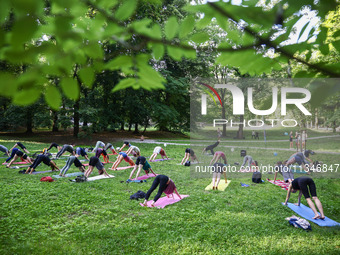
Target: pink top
point(220, 153)
point(170, 188)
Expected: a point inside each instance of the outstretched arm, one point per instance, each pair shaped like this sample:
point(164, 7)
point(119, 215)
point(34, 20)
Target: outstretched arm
point(177, 194)
point(288, 193)
point(299, 198)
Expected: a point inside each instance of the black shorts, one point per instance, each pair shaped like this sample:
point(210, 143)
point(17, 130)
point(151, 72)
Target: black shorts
point(93, 161)
point(19, 153)
point(140, 160)
point(77, 163)
point(46, 160)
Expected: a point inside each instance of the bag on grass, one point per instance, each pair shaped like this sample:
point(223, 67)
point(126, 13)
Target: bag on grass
point(187, 163)
point(137, 195)
point(257, 177)
point(243, 153)
point(46, 179)
point(300, 223)
point(81, 178)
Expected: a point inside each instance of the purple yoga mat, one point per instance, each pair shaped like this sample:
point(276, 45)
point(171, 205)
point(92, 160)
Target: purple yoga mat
point(164, 201)
point(160, 159)
point(144, 177)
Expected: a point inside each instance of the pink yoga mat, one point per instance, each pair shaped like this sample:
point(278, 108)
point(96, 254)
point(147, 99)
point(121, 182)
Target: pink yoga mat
point(17, 163)
point(123, 168)
point(144, 177)
point(164, 201)
point(281, 184)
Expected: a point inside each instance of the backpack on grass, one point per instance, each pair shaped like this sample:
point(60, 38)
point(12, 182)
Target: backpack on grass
point(46, 179)
point(187, 163)
point(257, 177)
point(81, 178)
point(139, 194)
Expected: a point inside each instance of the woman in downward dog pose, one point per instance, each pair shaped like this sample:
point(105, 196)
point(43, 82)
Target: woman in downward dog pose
point(4, 149)
point(95, 162)
point(42, 158)
point(19, 154)
point(156, 151)
point(165, 184)
point(134, 150)
point(81, 152)
point(98, 144)
point(54, 145)
point(141, 162)
point(21, 146)
point(302, 184)
point(121, 156)
point(189, 153)
point(211, 147)
point(100, 152)
point(126, 143)
point(217, 156)
point(110, 146)
point(72, 160)
point(68, 148)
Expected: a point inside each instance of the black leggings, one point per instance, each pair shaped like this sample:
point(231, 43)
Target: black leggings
point(211, 147)
point(21, 145)
point(53, 145)
point(305, 183)
point(160, 180)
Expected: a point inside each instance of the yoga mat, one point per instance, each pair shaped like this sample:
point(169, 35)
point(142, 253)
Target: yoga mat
point(43, 172)
point(244, 185)
point(99, 177)
point(17, 167)
point(16, 163)
point(281, 184)
point(144, 177)
point(307, 213)
point(68, 175)
point(164, 201)
point(221, 186)
point(122, 168)
point(160, 159)
point(138, 181)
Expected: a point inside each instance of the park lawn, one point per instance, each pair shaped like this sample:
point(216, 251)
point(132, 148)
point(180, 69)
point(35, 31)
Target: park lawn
point(98, 218)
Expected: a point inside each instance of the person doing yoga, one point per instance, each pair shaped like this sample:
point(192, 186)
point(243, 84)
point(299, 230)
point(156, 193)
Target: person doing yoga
point(217, 156)
point(110, 146)
point(4, 149)
point(141, 162)
point(165, 184)
point(66, 147)
point(121, 156)
point(126, 143)
point(156, 151)
point(211, 147)
point(95, 162)
point(21, 146)
point(189, 153)
point(217, 169)
point(41, 158)
point(303, 184)
point(302, 159)
point(54, 145)
point(286, 172)
point(71, 160)
point(98, 144)
point(19, 154)
point(81, 152)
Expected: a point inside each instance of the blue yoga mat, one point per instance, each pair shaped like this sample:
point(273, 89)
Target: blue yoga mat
point(307, 213)
point(68, 175)
point(42, 172)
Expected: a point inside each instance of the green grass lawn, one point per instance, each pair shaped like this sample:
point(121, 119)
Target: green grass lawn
point(99, 218)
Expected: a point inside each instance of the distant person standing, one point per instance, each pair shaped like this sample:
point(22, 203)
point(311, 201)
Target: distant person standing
point(253, 134)
point(304, 139)
point(257, 136)
point(291, 146)
point(297, 140)
point(219, 133)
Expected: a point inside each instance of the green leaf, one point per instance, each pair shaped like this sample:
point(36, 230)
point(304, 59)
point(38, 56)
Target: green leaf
point(304, 74)
point(126, 83)
point(200, 37)
point(171, 28)
point(157, 50)
point(70, 88)
point(175, 53)
point(53, 97)
point(87, 76)
point(94, 50)
point(186, 26)
point(336, 45)
point(205, 21)
point(126, 10)
point(119, 62)
point(26, 96)
point(324, 49)
point(23, 31)
point(8, 84)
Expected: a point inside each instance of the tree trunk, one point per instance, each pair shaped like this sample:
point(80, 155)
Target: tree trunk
point(240, 128)
point(29, 120)
point(224, 131)
point(316, 119)
point(122, 126)
point(334, 126)
point(55, 127)
point(130, 126)
point(136, 129)
point(76, 119)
